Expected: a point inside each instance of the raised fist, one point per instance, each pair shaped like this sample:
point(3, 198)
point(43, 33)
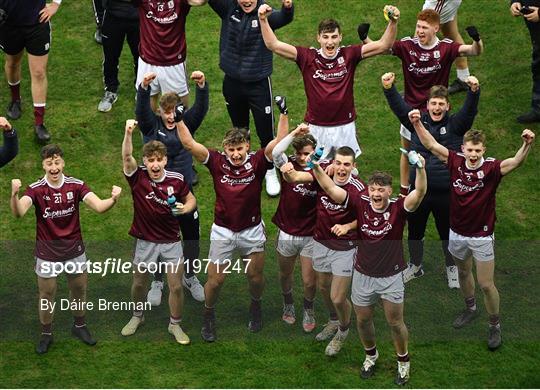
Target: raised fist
point(281, 103)
point(414, 116)
point(391, 13)
point(148, 78)
point(301, 129)
point(179, 112)
point(527, 136)
point(388, 79)
point(198, 77)
point(4, 124)
point(15, 186)
point(363, 30)
point(473, 84)
point(473, 33)
point(130, 125)
point(115, 192)
point(264, 11)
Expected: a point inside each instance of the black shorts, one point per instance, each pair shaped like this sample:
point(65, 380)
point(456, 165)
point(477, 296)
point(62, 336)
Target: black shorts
point(35, 39)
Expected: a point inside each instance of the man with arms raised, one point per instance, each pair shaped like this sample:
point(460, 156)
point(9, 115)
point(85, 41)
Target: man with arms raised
point(473, 184)
point(335, 244)
point(238, 175)
point(328, 75)
point(155, 228)
point(379, 261)
point(449, 130)
point(56, 199)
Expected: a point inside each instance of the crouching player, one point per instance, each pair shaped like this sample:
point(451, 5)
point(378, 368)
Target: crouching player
point(474, 181)
point(238, 175)
point(156, 227)
point(296, 221)
point(56, 200)
point(379, 262)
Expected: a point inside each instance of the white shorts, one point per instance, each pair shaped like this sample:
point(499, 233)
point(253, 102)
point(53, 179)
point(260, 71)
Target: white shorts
point(169, 78)
point(333, 137)
point(367, 290)
point(339, 263)
point(223, 242)
point(404, 132)
point(288, 245)
point(51, 269)
point(481, 248)
point(446, 8)
point(147, 252)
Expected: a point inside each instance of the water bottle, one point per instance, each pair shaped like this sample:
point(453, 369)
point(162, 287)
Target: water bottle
point(316, 156)
point(412, 155)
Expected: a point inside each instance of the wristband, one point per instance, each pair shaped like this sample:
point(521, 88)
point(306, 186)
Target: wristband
point(57, 1)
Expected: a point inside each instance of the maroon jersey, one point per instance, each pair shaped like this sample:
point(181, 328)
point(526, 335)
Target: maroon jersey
point(238, 189)
point(58, 230)
point(472, 195)
point(330, 213)
point(380, 236)
point(295, 214)
point(152, 217)
point(423, 67)
point(163, 31)
point(329, 84)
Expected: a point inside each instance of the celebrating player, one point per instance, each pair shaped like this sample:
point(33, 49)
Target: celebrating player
point(155, 227)
point(449, 130)
point(163, 128)
point(335, 244)
point(378, 262)
point(473, 184)
point(296, 220)
point(59, 244)
point(238, 175)
point(328, 75)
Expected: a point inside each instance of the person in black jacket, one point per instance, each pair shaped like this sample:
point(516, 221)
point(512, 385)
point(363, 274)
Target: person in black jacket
point(528, 9)
point(120, 21)
point(247, 65)
point(162, 127)
point(448, 130)
point(10, 148)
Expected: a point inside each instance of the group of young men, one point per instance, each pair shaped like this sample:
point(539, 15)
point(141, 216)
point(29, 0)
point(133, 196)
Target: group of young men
point(354, 237)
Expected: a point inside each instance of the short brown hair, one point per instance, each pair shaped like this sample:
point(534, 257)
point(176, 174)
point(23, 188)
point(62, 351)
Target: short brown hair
point(346, 151)
point(51, 150)
point(438, 91)
point(168, 101)
point(380, 178)
point(152, 148)
point(430, 16)
point(236, 136)
point(301, 142)
point(474, 136)
point(329, 25)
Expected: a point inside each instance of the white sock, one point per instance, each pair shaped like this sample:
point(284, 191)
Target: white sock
point(462, 74)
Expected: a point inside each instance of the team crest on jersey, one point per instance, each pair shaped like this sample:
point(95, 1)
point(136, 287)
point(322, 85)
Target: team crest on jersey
point(170, 4)
point(341, 60)
point(248, 165)
point(254, 24)
point(386, 216)
point(170, 190)
point(442, 130)
point(436, 54)
point(480, 174)
point(69, 195)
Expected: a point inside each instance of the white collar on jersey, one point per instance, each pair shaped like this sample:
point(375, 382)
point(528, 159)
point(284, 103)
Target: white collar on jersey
point(53, 186)
point(321, 52)
point(344, 184)
point(478, 167)
point(429, 47)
